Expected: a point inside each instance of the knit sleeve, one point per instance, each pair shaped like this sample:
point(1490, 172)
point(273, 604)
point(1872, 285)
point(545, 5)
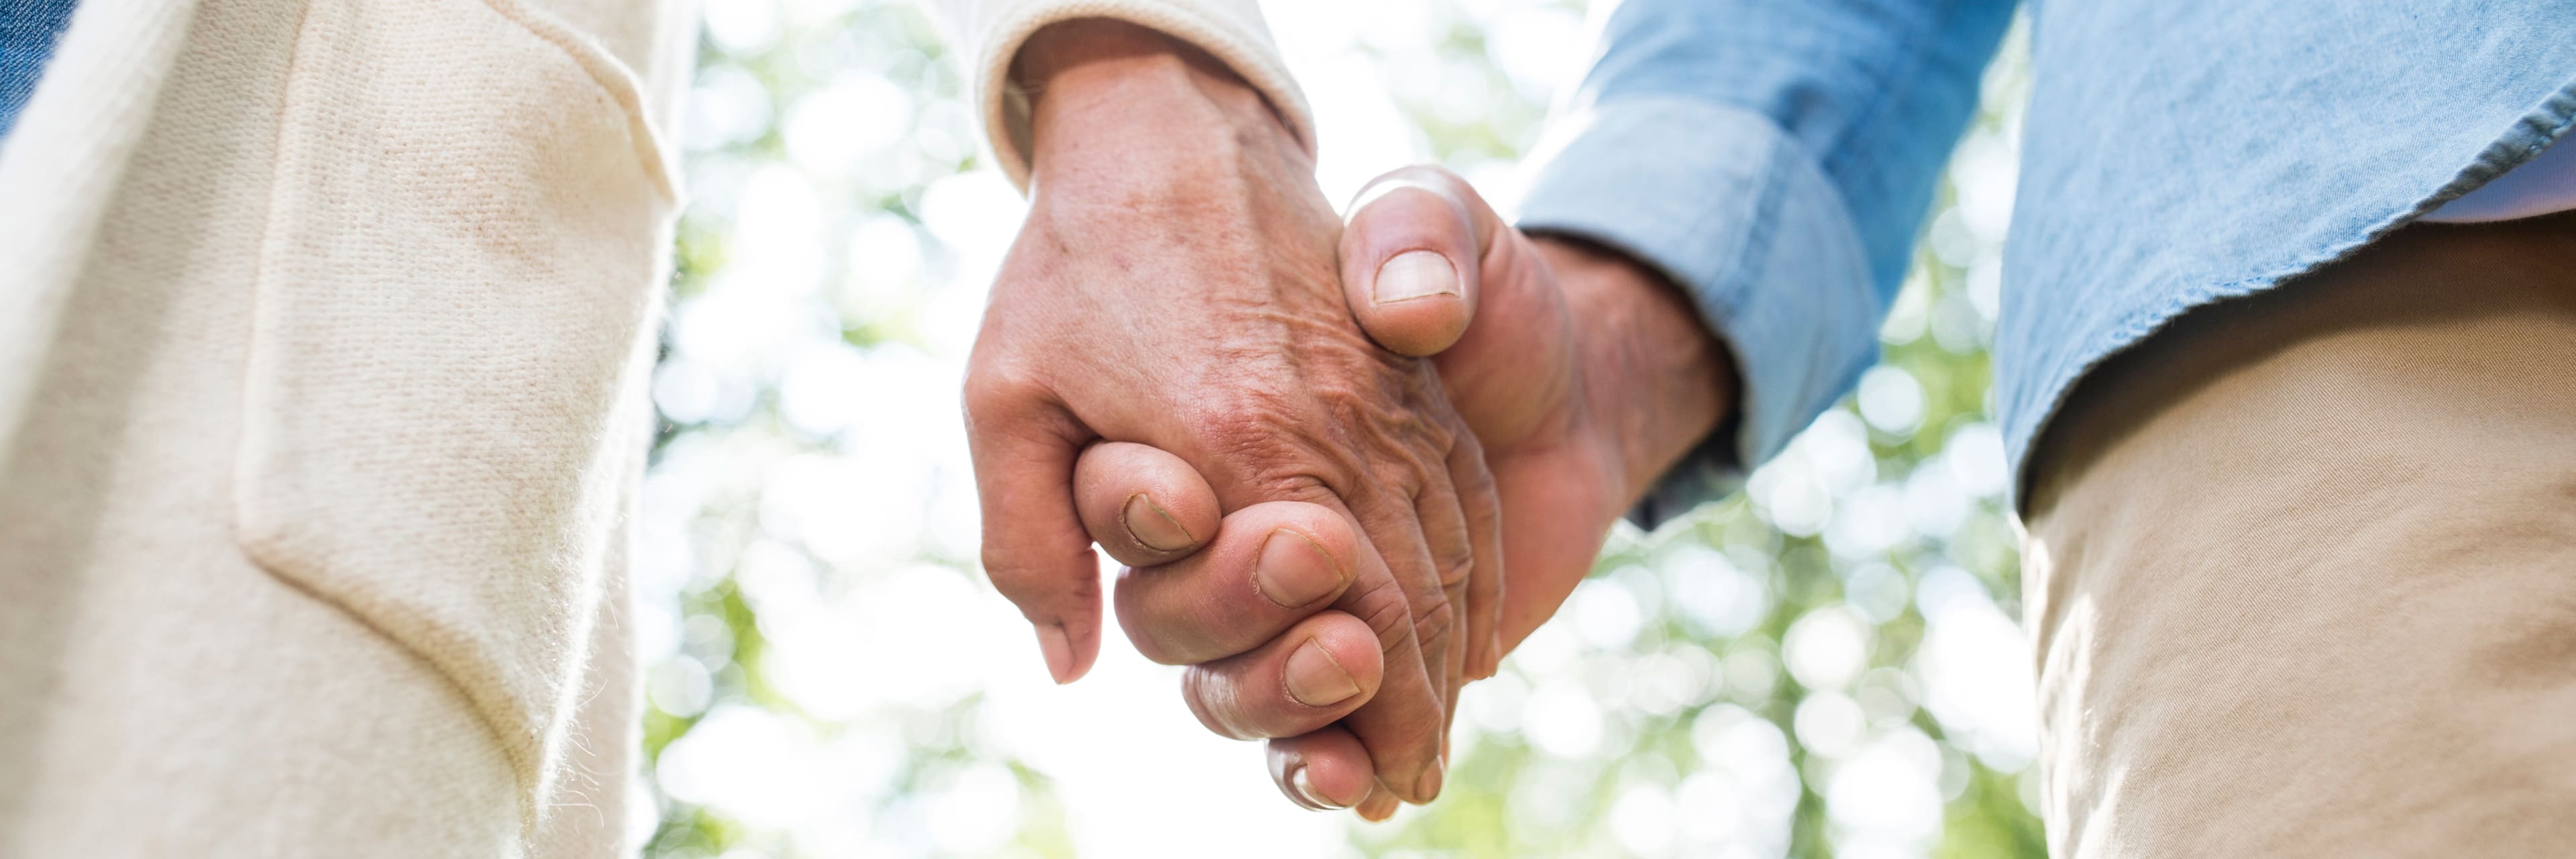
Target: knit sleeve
point(988, 35)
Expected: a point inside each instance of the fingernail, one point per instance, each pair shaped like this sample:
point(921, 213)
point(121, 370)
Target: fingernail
point(1293, 571)
point(1058, 650)
point(1306, 789)
point(1379, 810)
point(1152, 527)
point(1430, 785)
point(1315, 680)
point(1415, 274)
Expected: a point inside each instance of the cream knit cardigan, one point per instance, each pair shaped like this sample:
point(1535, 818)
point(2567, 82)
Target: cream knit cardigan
point(324, 333)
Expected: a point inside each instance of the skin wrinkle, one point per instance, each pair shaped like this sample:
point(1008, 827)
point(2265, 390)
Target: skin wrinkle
point(1556, 442)
point(1169, 591)
point(1389, 616)
point(1265, 385)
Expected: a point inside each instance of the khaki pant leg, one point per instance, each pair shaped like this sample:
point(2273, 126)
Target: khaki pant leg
point(2301, 571)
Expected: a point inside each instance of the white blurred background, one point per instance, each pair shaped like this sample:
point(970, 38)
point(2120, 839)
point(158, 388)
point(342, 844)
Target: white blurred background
point(1826, 664)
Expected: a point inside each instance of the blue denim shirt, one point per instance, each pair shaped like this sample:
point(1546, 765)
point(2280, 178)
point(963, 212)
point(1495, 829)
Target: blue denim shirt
point(1776, 156)
point(28, 29)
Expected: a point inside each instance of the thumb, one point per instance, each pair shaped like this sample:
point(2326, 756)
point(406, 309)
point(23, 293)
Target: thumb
point(1411, 254)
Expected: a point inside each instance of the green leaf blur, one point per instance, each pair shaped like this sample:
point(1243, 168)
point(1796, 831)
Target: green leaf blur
point(1827, 664)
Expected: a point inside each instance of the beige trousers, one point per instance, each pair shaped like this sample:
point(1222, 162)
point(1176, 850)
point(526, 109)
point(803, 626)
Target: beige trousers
point(2301, 571)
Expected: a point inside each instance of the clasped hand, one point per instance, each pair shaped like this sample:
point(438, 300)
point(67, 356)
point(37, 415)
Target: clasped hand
point(1191, 362)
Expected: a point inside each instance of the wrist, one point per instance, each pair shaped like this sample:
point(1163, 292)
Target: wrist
point(1110, 92)
point(1656, 381)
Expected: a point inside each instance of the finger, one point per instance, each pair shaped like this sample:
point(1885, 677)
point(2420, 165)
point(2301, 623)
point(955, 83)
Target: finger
point(1444, 526)
point(1400, 724)
point(1402, 728)
point(1023, 447)
point(1323, 769)
point(1142, 505)
point(1482, 504)
point(1270, 565)
point(1444, 532)
point(1410, 258)
point(1318, 671)
point(1379, 805)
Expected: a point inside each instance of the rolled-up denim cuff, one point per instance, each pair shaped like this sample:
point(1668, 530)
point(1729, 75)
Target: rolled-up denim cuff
point(1739, 214)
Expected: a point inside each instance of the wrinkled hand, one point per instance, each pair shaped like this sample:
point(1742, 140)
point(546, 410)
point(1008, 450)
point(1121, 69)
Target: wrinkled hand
point(1174, 286)
point(1583, 373)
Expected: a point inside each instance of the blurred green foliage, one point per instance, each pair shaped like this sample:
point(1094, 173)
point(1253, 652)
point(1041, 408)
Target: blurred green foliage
point(1823, 665)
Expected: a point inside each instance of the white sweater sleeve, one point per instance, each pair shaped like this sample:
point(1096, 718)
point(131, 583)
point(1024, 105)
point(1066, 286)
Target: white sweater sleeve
point(987, 34)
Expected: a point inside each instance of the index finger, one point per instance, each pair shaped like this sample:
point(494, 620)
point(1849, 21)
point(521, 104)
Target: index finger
point(1035, 552)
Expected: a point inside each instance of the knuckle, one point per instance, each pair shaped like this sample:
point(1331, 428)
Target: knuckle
point(1380, 402)
point(997, 390)
point(1474, 488)
point(1473, 479)
point(1448, 530)
point(1435, 623)
point(1383, 607)
point(1248, 422)
point(1346, 418)
point(1018, 574)
point(1304, 484)
point(1270, 445)
point(1461, 567)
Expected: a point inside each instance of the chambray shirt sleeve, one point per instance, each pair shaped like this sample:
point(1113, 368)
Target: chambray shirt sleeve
point(1774, 158)
point(28, 30)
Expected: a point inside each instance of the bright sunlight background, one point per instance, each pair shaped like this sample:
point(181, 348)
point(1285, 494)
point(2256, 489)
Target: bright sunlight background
point(1826, 664)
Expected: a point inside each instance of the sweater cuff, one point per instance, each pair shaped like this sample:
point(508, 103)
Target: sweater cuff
point(1230, 30)
point(1734, 210)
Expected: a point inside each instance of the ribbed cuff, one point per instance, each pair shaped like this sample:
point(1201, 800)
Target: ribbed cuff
point(1230, 30)
point(1737, 212)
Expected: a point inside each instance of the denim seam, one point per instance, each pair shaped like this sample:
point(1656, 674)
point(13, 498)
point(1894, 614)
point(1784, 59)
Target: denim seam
point(2552, 117)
